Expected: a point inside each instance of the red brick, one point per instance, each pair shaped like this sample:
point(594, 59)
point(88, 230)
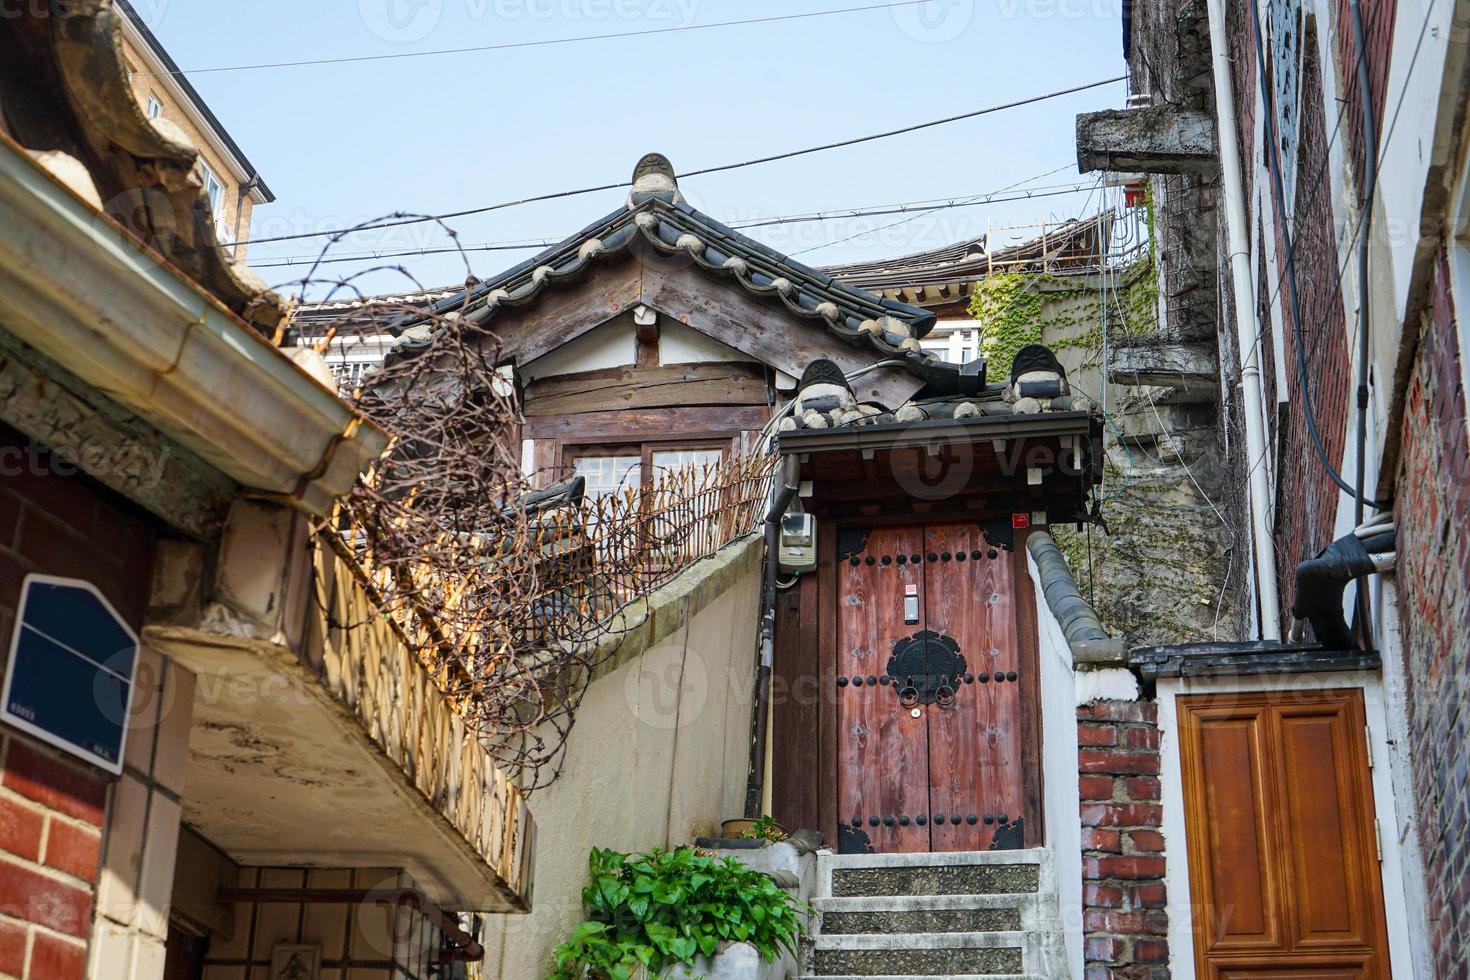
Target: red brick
point(59, 785)
point(1146, 841)
point(1141, 923)
point(1122, 815)
point(1141, 788)
point(1152, 896)
point(1102, 896)
point(1135, 711)
point(33, 897)
point(1141, 738)
point(1100, 840)
point(1117, 761)
point(20, 830)
point(1103, 949)
point(1150, 951)
point(1132, 866)
point(1095, 787)
point(56, 959)
point(74, 850)
point(12, 948)
point(1097, 735)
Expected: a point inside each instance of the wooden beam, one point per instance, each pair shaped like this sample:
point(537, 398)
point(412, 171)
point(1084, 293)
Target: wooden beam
point(769, 333)
point(645, 425)
point(563, 313)
point(721, 383)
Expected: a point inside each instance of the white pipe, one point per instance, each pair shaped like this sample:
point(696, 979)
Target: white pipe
point(1250, 350)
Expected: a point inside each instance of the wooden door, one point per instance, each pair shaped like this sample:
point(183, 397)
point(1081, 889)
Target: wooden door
point(1283, 861)
point(930, 715)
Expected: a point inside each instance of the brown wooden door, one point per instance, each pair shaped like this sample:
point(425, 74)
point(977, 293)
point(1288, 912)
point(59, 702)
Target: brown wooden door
point(929, 699)
point(1283, 860)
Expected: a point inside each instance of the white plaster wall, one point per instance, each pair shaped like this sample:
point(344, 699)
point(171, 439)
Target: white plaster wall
point(1176, 877)
point(658, 756)
point(681, 344)
point(1060, 800)
point(613, 344)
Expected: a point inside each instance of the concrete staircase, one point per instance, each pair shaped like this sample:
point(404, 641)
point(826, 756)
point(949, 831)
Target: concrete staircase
point(990, 914)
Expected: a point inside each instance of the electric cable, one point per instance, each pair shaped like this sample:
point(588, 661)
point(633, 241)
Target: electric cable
point(545, 42)
point(1279, 199)
point(721, 168)
point(952, 203)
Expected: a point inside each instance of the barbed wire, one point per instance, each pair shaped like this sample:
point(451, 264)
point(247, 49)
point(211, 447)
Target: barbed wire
point(513, 590)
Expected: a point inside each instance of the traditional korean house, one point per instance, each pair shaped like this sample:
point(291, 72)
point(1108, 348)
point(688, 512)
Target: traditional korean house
point(914, 694)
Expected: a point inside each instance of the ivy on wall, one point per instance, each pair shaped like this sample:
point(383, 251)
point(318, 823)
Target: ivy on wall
point(1064, 312)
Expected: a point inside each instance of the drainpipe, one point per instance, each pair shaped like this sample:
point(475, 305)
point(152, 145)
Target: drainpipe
point(1250, 349)
point(785, 491)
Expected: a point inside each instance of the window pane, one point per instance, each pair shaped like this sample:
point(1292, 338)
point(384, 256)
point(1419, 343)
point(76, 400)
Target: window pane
point(608, 474)
point(668, 461)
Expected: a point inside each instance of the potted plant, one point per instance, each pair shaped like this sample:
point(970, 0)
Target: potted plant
point(753, 828)
point(647, 913)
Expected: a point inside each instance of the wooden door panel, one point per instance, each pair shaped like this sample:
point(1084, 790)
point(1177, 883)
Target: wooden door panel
point(1331, 971)
point(1278, 817)
point(882, 774)
point(975, 778)
point(1317, 802)
point(1242, 904)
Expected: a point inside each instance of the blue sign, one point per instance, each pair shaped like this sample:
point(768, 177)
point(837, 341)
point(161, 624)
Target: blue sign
point(70, 680)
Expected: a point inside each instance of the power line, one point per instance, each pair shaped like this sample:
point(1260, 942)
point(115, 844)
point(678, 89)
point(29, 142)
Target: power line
point(991, 198)
point(419, 219)
point(511, 45)
point(922, 214)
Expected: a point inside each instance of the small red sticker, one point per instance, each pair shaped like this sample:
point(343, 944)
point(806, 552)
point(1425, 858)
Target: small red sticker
point(1020, 520)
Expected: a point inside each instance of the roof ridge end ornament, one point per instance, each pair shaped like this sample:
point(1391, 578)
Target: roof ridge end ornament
point(653, 179)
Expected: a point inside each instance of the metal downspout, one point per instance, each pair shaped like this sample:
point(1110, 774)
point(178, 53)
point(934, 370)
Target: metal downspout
point(1249, 344)
point(783, 492)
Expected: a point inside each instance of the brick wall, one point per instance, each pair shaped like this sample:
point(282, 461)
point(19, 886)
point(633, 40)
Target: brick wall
point(1433, 508)
point(1307, 500)
point(1378, 24)
point(51, 814)
point(1125, 927)
point(53, 809)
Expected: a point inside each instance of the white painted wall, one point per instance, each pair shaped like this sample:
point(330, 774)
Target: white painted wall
point(680, 344)
point(1176, 877)
point(1060, 800)
point(613, 344)
point(659, 755)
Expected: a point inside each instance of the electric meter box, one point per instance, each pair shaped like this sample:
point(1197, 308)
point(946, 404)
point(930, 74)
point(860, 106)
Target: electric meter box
point(797, 547)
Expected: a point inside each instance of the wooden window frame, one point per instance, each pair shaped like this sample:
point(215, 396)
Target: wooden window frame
point(644, 448)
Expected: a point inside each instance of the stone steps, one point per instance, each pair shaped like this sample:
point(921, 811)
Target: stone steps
point(959, 915)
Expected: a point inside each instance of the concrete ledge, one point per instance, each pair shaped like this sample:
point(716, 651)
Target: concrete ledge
point(1152, 140)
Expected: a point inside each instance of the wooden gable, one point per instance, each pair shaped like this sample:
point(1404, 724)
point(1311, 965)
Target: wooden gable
point(766, 334)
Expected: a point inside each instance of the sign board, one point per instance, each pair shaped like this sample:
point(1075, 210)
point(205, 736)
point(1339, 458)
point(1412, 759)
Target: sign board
point(70, 676)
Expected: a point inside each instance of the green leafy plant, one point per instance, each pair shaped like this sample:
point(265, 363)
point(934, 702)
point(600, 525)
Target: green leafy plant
point(766, 828)
point(665, 907)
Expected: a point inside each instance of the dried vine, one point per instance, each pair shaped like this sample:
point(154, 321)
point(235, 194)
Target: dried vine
point(510, 596)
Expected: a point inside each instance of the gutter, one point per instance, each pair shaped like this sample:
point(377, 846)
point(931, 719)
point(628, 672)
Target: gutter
point(77, 287)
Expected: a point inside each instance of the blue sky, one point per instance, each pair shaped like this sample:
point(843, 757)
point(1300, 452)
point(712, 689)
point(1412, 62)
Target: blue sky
point(344, 143)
